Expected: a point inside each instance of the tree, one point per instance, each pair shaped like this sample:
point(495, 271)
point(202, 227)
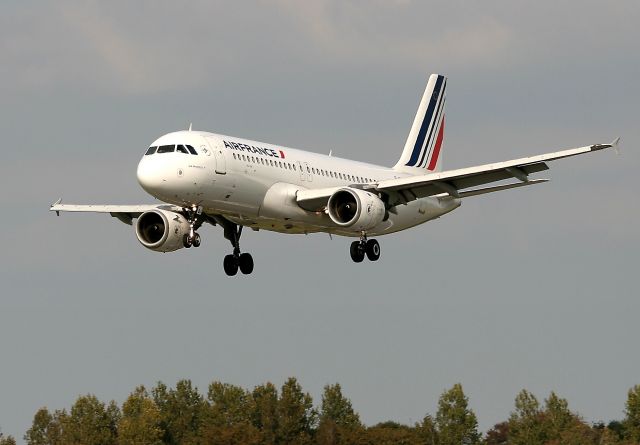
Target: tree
point(498, 435)
point(557, 417)
point(9, 440)
point(39, 433)
point(181, 412)
point(296, 416)
point(456, 422)
point(228, 417)
point(427, 431)
point(631, 421)
point(337, 408)
point(265, 412)
point(89, 421)
point(389, 433)
point(140, 421)
point(525, 423)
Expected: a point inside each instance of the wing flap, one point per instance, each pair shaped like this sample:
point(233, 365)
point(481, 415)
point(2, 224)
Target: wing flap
point(453, 181)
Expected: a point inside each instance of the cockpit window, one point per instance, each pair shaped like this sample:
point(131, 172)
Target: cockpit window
point(166, 148)
point(192, 150)
point(151, 150)
point(181, 149)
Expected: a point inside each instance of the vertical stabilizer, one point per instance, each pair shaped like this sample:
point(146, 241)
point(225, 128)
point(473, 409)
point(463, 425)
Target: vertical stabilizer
point(423, 150)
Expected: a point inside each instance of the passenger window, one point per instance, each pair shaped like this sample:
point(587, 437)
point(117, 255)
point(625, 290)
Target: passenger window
point(166, 148)
point(271, 162)
point(294, 168)
point(182, 149)
point(151, 150)
point(192, 150)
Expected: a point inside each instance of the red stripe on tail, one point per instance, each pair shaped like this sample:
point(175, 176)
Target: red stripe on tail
point(436, 149)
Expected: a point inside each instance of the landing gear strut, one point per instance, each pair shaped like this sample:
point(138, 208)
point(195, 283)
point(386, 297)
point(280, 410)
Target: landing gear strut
point(370, 248)
point(194, 217)
point(237, 260)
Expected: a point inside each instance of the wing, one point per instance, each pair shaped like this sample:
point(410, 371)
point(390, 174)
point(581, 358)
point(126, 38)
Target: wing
point(125, 213)
point(457, 183)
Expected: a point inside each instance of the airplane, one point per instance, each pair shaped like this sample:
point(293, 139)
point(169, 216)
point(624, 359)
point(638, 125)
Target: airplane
point(233, 183)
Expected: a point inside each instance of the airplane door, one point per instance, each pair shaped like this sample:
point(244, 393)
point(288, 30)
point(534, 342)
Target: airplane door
point(307, 171)
point(221, 163)
point(218, 154)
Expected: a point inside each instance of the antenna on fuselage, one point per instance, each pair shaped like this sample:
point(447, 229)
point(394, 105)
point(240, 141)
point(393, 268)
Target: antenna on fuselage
point(190, 125)
point(330, 152)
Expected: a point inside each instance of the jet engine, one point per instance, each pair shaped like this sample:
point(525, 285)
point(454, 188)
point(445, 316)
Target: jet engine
point(161, 230)
point(355, 208)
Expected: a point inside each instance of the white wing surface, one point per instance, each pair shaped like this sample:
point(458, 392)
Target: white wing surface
point(457, 183)
point(124, 213)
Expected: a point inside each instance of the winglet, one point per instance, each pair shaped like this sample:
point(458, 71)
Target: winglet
point(614, 144)
point(55, 204)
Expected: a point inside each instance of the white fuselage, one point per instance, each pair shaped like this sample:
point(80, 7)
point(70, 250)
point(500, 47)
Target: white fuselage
point(255, 184)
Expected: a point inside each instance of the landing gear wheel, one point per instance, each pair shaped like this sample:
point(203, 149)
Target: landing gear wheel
point(186, 240)
point(196, 240)
point(356, 251)
point(246, 263)
point(230, 265)
point(373, 250)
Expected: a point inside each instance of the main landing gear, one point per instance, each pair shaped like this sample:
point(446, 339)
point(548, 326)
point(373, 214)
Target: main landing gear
point(194, 217)
point(237, 260)
point(359, 249)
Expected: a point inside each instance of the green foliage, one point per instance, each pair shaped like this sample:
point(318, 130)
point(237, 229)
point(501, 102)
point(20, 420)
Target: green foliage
point(88, 421)
point(181, 412)
point(525, 423)
point(337, 408)
point(231, 415)
point(631, 422)
point(296, 415)
point(140, 421)
point(228, 417)
point(9, 440)
point(456, 422)
point(427, 431)
point(265, 412)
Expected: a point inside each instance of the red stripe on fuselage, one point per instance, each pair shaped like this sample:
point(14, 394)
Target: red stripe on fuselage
point(436, 149)
point(282, 154)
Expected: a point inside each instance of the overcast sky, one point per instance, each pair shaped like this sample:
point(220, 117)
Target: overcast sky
point(532, 288)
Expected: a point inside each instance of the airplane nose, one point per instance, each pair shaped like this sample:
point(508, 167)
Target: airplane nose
point(148, 176)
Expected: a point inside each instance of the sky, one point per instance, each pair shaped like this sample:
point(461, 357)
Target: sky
point(532, 288)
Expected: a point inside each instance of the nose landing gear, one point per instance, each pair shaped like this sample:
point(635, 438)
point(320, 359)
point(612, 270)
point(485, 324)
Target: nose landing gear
point(194, 217)
point(370, 248)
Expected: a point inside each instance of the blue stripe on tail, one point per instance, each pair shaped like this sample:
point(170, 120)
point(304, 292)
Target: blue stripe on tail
point(417, 148)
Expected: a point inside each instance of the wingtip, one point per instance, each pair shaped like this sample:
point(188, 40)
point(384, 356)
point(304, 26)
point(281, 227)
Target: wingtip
point(615, 143)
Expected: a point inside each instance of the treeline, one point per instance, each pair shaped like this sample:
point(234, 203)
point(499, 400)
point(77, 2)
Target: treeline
point(232, 415)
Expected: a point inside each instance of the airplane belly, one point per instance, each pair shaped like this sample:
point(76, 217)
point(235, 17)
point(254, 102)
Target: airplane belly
point(415, 213)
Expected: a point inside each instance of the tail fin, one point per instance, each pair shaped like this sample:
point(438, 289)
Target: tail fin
point(422, 152)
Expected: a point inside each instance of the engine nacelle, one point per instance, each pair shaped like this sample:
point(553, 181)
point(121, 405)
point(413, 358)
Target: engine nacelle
point(355, 208)
point(161, 231)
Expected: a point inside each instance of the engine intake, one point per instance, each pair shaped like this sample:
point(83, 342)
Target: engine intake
point(359, 209)
point(161, 231)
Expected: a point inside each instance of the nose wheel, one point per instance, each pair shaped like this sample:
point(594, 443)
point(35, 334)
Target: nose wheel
point(370, 248)
point(195, 221)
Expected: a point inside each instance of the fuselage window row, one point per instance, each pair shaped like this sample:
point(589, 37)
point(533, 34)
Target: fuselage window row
point(288, 165)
